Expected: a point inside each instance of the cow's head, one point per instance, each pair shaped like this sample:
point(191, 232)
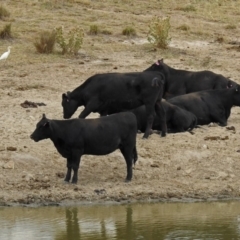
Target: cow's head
point(159, 66)
point(236, 96)
point(42, 130)
point(69, 105)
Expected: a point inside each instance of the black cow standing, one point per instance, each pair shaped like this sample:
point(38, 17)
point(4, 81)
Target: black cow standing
point(179, 82)
point(210, 105)
point(177, 119)
point(116, 92)
point(76, 137)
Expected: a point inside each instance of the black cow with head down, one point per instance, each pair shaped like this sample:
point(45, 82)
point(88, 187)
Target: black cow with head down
point(177, 119)
point(210, 105)
point(76, 137)
point(179, 82)
point(116, 92)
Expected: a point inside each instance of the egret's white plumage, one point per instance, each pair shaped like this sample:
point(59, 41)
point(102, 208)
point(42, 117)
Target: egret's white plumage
point(6, 54)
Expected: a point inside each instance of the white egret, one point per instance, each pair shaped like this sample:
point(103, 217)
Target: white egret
point(5, 55)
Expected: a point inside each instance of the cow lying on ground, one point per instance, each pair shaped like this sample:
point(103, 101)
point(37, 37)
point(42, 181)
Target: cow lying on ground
point(210, 105)
point(116, 92)
point(76, 137)
point(177, 119)
point(179, 82)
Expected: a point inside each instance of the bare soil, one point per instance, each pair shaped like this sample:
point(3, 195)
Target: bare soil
point(180, 167)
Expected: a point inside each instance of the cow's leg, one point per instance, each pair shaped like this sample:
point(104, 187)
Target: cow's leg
point(69, 167)
point(90, 107)
point(76, 157)
point(128, 154)
point(150, 117)
point(162, 116)
point(219, 115)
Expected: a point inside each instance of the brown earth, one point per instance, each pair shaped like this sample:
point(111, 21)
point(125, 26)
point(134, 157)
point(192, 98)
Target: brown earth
point(200, 166)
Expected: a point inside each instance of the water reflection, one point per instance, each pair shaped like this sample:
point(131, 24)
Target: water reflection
point(139, 221)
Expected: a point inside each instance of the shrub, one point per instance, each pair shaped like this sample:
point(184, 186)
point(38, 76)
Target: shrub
point(158, 32)
point(4, 12)
point(6, 32)
point(46, 42)
point(94, 30)
point(129, 31)
point(72, 42)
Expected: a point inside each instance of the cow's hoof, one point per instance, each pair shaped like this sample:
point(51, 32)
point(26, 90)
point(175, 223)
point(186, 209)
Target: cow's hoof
point(127, 180)
point(66, 182)
point(163, 135)
point(145, 137)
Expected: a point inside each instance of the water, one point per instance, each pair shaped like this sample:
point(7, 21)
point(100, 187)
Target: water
point(167, 221)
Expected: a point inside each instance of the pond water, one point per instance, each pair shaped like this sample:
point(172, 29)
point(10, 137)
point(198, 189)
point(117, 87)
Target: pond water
point(182, 221)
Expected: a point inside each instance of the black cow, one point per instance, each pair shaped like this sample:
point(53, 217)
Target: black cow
point(76, 137)
point(177, 119)
point(179, 82)
point(115, 92)
point(210, 105)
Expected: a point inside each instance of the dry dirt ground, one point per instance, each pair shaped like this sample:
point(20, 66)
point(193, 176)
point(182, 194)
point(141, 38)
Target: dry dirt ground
point(204, 165)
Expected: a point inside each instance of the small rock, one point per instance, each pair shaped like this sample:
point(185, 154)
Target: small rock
point(46, 179)
point(99, 191)
point(115, 68)
point(179, 168)
point(212, 124)
point(205, 146)
point(9, 165)
point(28, 177)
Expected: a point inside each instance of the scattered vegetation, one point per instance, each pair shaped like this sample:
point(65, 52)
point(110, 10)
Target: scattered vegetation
point(45, 42)
point(71, 42)
point(187, 8)
point(220, 39)
point(231, 26)
point(159, 31)
point(106, 32)
point(129, 31)
point(184, 27)
point(6, 32)
point(4, 13)
point(94, 30)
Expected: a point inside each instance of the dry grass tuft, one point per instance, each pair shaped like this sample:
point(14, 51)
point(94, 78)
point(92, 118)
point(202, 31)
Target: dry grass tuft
point(188, 8)
point(94, 30)
point(4, 13)
point(184, 27)
point(6, 33)
point(129, 31)
point(45, 42)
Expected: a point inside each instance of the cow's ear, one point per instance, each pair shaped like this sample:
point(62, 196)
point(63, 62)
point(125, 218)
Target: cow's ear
point(64, 95)
point(161, 60)
point(43, 116)
point(46, 124)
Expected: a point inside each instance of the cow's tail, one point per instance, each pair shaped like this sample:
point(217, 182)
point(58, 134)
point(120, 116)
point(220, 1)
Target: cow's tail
point(156, 81)
point(135, 155)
